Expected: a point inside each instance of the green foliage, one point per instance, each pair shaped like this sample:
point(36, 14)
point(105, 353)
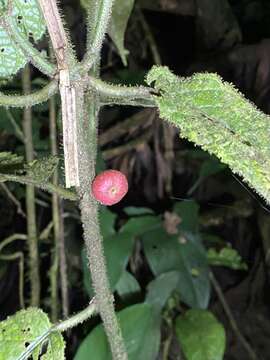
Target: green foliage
point(226, 257)
point(127, 286)
point(9, 161)
point(189, 215)
point(30, 23)
point(42, 169)
point(160, 289)
point(140, 328)
point(118, 23)
point(35, 173)
point(201, 336)
point(214, 115)
point(24, 327)
point(184, 254)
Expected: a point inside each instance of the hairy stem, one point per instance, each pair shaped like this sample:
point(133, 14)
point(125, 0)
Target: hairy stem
point(92, 236)
point(30, 199)
point(123, 94)
point(32, 99)
point(98, 20)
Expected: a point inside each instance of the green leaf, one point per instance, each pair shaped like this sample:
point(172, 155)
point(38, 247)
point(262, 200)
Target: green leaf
point(140, 328)
point(9, 161)
point(184, 254)
point(120, 14)
point(29, 18)
point(127, 285)
point(137, 226)
point(30, 22)
point(189, 214)
point(201, 336)
point(213, 114)
point(41, 170)
point(160, 289)
point(117, 248)
point(24, 327)
point(135, 211)
point(12, 59)
point(226, 257)
point(36, 172)
point(107, 221)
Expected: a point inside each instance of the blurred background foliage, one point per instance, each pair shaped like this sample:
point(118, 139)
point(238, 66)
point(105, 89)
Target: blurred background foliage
point(188, 229)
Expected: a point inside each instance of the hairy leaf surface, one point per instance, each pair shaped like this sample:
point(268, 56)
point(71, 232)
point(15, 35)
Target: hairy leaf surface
point(214, 115)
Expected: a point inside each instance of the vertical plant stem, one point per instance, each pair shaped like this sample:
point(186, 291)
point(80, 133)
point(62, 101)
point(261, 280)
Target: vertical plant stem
point(63, 264)
point(54, 271)
point(30, 199)
point(87, 143)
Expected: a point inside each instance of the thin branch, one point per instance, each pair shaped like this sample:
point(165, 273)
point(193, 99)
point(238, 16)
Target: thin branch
point(35, 284)
point(101, 18)
point(63, 263)
point(10, 239)
point(13, 199)
point(124, 95)
point(50, 187)
point(30, 52)
point(32, 99)
point(232, 321)
point(17, 130)
point(60, 327)
point(149, 37)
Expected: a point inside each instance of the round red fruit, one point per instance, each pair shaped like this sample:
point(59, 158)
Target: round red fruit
point(109, 187)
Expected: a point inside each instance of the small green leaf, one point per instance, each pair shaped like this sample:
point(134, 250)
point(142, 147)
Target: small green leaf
point(120, 14)
point(226, 257)
point(127, 285)
point(10, 161)
point(107, 221)
point(19, 330)
point(189, 215)
point(137, 226)
point(159, 290)
point(184, 254)
point(41, 170)
point(140, 328)
point(201, 336)
point(135, 211)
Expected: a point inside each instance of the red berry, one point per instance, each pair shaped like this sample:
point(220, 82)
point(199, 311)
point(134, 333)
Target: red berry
point(109, 187)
